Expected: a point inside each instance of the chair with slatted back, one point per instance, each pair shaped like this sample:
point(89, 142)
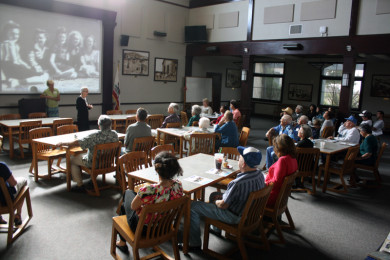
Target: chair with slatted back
point(244, 136)
point(131, 162)
point(131, 111)
point(105, 159)
point(195, 123)
point(328, 131)
point(251, 220)
point(44, 152)
point(66, 129)
point(37, 115)
point(160, 148)
point(162, 228)
point(114, 112)
point(202, 143)
point(24, 133)
point(307, 159)
point(11, 206)
point(373, 168)
point(280, 207)
point(155, 121)
point(184, 118)
point(130, 120)
point(144, 144)
point(4, 131)
point(345, 168)
point(61, 122)
point(231, 153)
point(169, 139)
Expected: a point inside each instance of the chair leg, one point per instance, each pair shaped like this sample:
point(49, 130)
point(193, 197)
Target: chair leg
point(290, 220)
point(319, 178)
point(10, 228)
point(59, 162)
point(206, 236)
point(31, 168)
point(49, 163)
point(175, 248)
point(278, 229)
point(241, 245)
point(313, 183)
point(114, 234)
point(96, 191)
point(377, 176)
point(264, 237)
point(135, 253)
point(21, 151)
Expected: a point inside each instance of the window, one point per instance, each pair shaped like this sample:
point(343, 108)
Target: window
point(268, 81)
point(331, 85)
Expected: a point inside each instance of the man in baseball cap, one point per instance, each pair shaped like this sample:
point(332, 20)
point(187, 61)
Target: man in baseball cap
point(228, 207)
point(366, 116)
point(348, 131)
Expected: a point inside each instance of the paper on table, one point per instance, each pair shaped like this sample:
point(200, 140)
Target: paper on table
point(217, 172)
point(198, 179)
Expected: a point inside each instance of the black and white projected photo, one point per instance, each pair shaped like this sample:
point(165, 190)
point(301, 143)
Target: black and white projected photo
point(36, 46)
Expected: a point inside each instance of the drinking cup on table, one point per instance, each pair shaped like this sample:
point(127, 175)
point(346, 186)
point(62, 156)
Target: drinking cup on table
point(322, 145)
point(218, 160)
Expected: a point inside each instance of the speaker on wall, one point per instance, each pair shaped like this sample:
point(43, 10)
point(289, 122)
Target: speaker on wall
point(124, 40)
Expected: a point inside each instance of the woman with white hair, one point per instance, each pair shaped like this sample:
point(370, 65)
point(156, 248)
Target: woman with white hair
point(196, 110)
point(82, 107)
point(206, 109)
point(204, 124)
point(173, 109)
point(304, 134)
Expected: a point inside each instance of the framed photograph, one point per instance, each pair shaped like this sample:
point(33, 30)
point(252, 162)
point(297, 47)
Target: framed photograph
point(380, 86)
point(300, 92)
point(165, 69)
point(233, 78)
point(135, 63)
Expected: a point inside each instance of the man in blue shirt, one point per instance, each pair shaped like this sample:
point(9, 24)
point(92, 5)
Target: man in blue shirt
point(228, 207)
point(228, 130)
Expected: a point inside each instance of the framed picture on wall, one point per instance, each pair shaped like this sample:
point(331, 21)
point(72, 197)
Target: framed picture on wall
point(135, 63)
point(300, 92)
point(380, 86)
point(165, 69)
point(233, 78)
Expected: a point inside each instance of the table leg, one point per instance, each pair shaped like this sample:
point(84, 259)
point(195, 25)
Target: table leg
point(35, 160)
point(181, 147)
point(326, 173)
point(68, 169)
point(131, 183)
point(11, 143)
point(187, 223)
point(158, 137)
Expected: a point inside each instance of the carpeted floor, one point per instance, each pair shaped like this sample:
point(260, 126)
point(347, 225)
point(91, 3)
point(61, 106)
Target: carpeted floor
point(68, 225)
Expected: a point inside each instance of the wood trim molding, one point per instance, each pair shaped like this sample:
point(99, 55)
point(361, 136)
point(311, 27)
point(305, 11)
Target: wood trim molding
point(170, 3)
point(202, 3)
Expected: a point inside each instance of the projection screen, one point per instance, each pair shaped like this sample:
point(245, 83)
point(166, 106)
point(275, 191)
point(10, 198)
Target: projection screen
point(37, 45)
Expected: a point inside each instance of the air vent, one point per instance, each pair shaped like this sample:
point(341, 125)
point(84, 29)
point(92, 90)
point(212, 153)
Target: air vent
point(295, 29)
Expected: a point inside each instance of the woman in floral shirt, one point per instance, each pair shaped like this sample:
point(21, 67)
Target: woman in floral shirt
point(167, 167)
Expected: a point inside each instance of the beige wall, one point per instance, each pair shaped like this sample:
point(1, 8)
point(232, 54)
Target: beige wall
point(370, 22)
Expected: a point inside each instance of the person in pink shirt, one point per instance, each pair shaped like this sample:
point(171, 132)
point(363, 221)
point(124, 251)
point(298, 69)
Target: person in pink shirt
point(235, 111)
point(286, 165)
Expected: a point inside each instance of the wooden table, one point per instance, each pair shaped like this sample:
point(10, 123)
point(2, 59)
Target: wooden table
point(331, 147)
point(66, 138)
point(180, 133)
point(13, 125)
point(195, 165)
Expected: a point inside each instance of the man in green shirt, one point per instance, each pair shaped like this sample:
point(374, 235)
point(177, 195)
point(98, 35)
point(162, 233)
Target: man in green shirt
point(52, 96)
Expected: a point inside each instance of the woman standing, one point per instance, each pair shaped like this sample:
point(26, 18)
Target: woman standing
point(52, 96)
point(82, 107)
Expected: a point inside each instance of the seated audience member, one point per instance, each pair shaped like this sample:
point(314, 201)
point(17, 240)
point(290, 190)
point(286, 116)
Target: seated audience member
point(286, 165)
point(316, 128)
point(312, 112)
point(303, 120)
point(287, 111)
point(304, 134)
point(234, 110)
point(377, 129)
point(328, 116)
point(366, 116)
point(297, 113)
point(14, 186)
point(173, 109)
point(228, 207)
point(206, 109)
point(168, 188)
point(138, 129)
point(348, 131)
point(319, 114)
point(334, 115)
point(103, 136)
point(222, 110)
point(195, 111)
point(204, 124)
point(228, 130)
point(368, 149)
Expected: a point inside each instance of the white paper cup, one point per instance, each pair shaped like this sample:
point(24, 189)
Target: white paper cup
point(322, 145)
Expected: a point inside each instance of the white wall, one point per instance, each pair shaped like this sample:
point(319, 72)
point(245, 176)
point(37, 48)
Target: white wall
point(339, 26)
point(371, 23)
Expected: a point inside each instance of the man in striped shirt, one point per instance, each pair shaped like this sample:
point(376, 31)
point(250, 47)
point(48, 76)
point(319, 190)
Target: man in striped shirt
point(228, 207)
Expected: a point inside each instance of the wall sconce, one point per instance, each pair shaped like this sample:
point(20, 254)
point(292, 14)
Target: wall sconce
point(244, 74)
point(345, 80)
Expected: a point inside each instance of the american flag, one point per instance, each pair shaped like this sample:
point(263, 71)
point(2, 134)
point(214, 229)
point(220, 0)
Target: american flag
point(116, 90)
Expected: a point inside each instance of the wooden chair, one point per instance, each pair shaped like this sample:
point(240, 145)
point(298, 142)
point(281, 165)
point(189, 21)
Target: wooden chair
point(130, 120)
point(114, 112)
point(195, 123)
point(373, 168)
point(67, 129)
point(160, 148)
point(202, 143)
point(231, 153)
point(4, 130)
point(244, 136)
point(9, 117)
point(155, 121)
point(10, 207)
point(173, 125)
point(240, 122)
point(280, 207)
point(131, 162)
point(184, 118)
point(1, 142)
point(61, 122)
point(24, 133)
point(131, 111)
point(159, 230)
point(168, 139)
point(307, 159)
point(346, 168)
point(37, 115)
point(44, 152)
point(105, 158)
point(328, 131)
point(144, 144)
point(251, 220)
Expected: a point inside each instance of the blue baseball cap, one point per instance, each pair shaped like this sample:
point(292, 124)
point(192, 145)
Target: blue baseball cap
point(352, 119)
point(252, 156)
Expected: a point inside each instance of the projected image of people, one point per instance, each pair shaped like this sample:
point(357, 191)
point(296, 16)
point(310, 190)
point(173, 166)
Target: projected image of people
point(66, 49)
